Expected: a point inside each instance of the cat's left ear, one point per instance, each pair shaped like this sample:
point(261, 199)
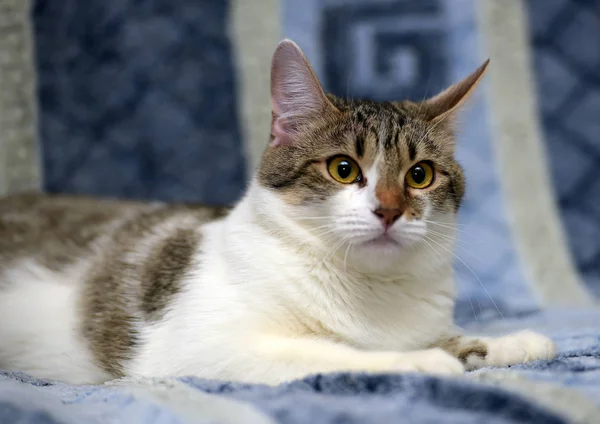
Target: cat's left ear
point(297, 97)
point(444, 106)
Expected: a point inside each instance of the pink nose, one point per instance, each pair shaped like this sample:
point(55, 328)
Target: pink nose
point(388, 216)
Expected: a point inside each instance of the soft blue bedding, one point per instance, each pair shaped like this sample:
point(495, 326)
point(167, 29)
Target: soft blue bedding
point(566, 389)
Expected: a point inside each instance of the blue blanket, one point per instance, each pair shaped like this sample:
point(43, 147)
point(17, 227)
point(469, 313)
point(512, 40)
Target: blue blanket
point(566, 389)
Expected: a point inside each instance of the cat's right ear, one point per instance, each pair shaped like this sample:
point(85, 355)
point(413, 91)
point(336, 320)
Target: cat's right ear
point(448, 102)
point(296, 93)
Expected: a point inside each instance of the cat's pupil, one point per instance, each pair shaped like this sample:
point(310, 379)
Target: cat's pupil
point(418, 174)
point(344, 169)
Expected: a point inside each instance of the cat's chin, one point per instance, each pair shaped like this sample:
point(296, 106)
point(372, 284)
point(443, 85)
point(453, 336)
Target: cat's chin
point(383, 242)
point(384, 246)
point(377, 255)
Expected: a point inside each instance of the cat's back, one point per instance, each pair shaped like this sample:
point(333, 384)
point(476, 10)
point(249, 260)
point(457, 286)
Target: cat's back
point(56, 230)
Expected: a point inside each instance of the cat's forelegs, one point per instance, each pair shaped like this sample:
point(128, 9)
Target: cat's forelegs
point(281, 359)
point(511, 349)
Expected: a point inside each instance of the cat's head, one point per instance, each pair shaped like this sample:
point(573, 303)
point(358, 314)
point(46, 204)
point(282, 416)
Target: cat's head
point(378, 177)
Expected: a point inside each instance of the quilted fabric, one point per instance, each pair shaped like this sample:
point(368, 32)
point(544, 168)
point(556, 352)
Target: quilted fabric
point(342, 398)
point(565, 37)
point(137, 99)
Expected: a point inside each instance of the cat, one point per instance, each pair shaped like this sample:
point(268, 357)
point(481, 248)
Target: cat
point(336, 259)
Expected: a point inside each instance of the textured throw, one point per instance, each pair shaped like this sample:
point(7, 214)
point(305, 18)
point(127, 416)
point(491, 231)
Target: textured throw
point(566, 389)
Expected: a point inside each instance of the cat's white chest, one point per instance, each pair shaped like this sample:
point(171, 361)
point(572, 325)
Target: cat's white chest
point(381, 314)
point(305, 294)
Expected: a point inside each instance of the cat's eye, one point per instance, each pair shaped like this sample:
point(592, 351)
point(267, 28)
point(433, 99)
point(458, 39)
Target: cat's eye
point(420, 176)
point(343, 169)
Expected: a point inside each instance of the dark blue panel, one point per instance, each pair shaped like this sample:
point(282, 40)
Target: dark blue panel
point(566, 41)
point(137, 99)
point(396, 61)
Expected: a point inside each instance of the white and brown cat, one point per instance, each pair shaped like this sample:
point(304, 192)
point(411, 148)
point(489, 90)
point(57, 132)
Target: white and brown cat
point(336, 259)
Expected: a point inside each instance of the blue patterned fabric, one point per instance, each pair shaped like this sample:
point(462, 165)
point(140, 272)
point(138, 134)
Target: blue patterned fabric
point(566, 40)
point(329, 399)
point(137, 99)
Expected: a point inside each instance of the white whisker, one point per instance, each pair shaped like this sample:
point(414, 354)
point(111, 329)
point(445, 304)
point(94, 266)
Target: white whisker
point(468, 295)
point(445, 223)
point(303, 218)
point(453, 227)
point(345, 257)
point(475, 275)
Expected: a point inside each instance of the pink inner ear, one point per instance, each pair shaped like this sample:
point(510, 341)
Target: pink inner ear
point(281, 135)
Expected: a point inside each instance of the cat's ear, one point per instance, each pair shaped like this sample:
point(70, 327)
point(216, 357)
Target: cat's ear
point(443, 106)
point(296, 93)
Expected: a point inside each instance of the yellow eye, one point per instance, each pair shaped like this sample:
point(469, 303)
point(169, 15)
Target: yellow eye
point(420, 175)
point(344, 170)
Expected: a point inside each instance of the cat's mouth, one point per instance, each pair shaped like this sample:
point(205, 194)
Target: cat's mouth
point(383, 240)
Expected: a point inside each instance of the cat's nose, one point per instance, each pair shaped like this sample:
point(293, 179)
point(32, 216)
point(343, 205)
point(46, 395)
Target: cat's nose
point(388, 216)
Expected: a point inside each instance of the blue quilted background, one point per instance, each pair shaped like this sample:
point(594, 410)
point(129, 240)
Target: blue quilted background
point(137, 99)
point(566, 41)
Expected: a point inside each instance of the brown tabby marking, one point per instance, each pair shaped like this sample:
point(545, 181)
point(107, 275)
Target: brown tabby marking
point(398, 131)
point(149, 256)
point(308, 127)
point(129, 256)
point(53, 230)
point(464, 347)
point(165, 267)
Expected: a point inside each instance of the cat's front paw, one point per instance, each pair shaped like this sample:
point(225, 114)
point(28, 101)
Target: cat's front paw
point(431, 361)
point(518, 348)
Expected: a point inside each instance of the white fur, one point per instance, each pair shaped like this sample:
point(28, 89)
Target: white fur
point(516, 348)
point(270, 308)
point(277, 297)
point(39, 325)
